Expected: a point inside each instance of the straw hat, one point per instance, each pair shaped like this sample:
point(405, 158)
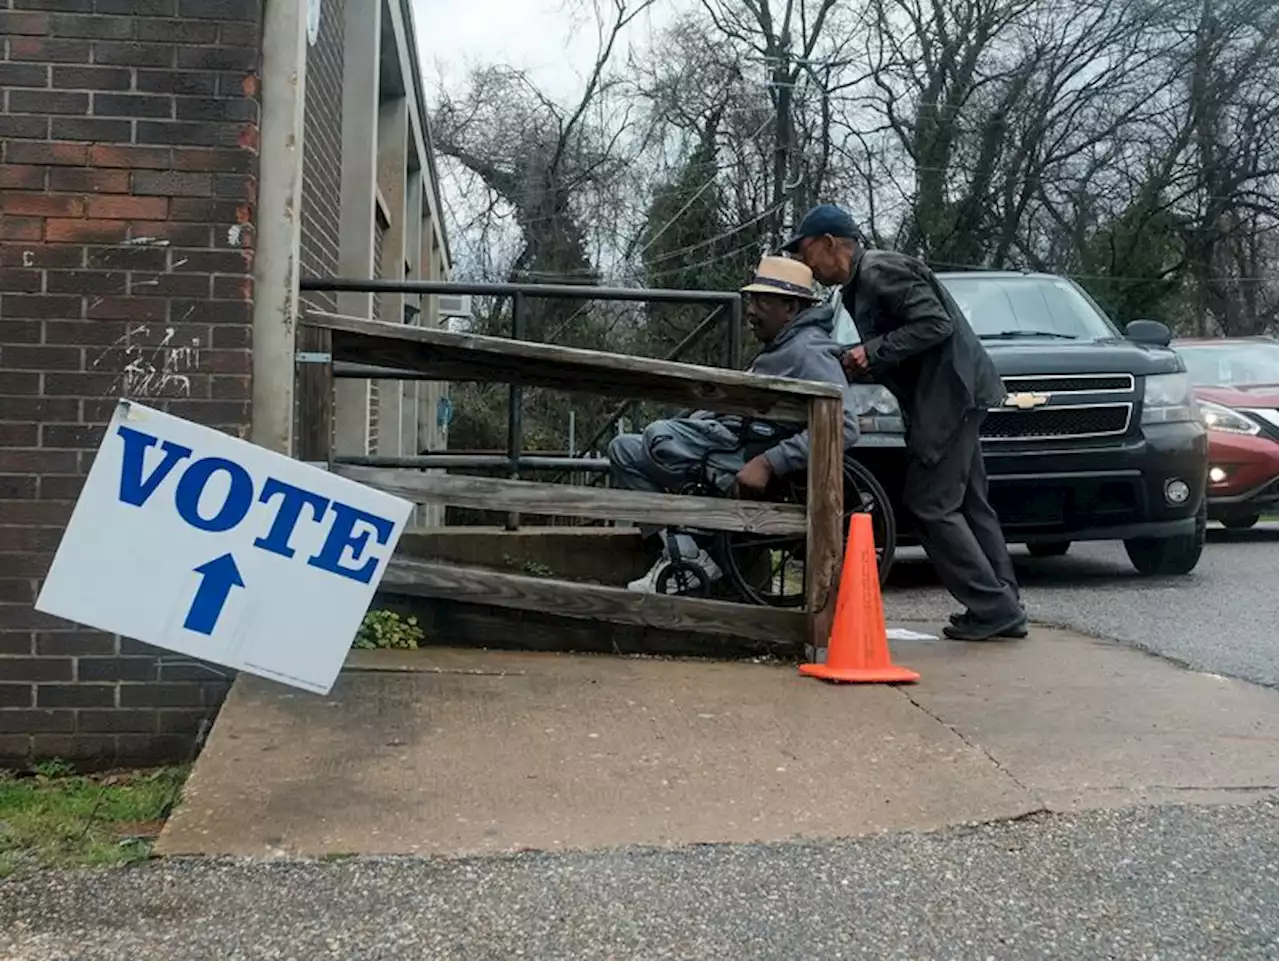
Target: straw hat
point(783, 276)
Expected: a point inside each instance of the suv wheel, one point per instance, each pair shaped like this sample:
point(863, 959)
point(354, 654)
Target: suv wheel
point(1048, 548)
point(1168, 555)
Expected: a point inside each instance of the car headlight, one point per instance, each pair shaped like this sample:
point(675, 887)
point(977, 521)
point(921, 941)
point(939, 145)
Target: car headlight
point(1216, 417)
point(1167, 399)
point(878, 411)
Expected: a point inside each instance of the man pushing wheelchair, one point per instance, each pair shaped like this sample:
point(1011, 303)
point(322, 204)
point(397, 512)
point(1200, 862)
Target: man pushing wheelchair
point(729, 454)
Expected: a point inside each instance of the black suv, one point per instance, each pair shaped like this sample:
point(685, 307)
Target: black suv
point(1098, 439)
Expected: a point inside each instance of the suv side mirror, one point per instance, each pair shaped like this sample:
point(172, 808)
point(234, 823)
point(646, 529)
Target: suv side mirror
point(1148, 332)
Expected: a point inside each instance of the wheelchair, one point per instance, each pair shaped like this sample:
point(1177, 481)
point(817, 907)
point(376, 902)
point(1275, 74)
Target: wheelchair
point(768, 569)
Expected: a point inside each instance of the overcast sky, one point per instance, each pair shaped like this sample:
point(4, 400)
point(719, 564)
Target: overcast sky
point(539, 35)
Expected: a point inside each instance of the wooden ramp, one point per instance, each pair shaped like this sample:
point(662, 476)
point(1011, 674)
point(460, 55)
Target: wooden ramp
point(414, 352)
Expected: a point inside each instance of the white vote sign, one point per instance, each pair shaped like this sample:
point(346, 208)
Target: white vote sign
point(194, 541)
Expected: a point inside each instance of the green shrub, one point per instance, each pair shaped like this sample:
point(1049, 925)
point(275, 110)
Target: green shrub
point(382, 630)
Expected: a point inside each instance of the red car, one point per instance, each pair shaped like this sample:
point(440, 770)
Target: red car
point(1236, 390)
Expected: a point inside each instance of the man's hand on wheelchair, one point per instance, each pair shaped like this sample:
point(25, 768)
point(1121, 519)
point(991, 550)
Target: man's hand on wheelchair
point(754, 478)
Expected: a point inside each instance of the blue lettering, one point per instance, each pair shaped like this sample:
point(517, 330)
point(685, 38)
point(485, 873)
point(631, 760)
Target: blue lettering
point(292, 500)
point(342, 535)
point(134, 488)
point(234, 508)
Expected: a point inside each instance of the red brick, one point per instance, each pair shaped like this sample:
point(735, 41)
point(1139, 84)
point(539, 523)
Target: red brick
point(17, 590)
point(25, 75)
point(27, 357)
point(231, 337)
point(140, 310)
point(33, 540)
point(220, 212)
point(22, 177)
point(233, 288)
point(38, 669)
point(39, 307)
point(220, 9)
point(183, 133)
point(136, 158)
point(239, 34)
point(88, 180)
point(75, 643)
point(242, 59)
point(42, 408)
point(92, 78)
point(15, 564)
point(16, 695)
point(19, 435)
point(62, 154)
point(16, 127)
point(74, 436)
point(210, 312)
point(86, 231)
point(44, 255)
point(27, 23)
point(117, 668)
point(177, 31)
point(75, 695)
point(86, 282)
point(178, 234)
point(91, 129)
point(58, 6)
point(44, 50)
point(172, 184)
point(96, 384)
point(220, 160)
point(138, 8)
point(93, 28)
point(216, 109)
point(48, 102)
point(132, 105)
point(226, 361)
point(63, 487)
point(133, 54)
point(129, 257)
point(127, 207)
point(213, 261)
point(177, 81)
point(42, 205)
point(170, 285)
point(18, 281)
point(18, 383)
point(236, 187)
point(41, 512)
point(17, 486)
point(20, 228)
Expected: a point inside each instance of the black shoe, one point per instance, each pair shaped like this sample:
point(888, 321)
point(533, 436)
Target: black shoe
point(965, 627)
point(964, 617)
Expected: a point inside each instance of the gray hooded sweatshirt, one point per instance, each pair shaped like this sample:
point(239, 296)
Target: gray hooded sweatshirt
point(803, 350)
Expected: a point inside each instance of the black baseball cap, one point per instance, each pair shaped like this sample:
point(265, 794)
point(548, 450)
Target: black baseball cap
point(823, 220)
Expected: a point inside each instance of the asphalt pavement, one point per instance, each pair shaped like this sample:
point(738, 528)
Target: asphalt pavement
point(1144, 884)
point(1221, 618)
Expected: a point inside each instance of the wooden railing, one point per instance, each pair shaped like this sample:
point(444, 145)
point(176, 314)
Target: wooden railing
point(452, 356)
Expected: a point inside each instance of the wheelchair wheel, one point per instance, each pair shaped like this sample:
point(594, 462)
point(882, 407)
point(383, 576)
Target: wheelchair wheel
point(683, 578)
point(769, 569)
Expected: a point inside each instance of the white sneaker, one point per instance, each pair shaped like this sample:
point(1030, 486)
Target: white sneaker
point(649, 583)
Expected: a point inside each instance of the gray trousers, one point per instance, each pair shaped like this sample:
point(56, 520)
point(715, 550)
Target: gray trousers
point(671, 454)
point(960, 531)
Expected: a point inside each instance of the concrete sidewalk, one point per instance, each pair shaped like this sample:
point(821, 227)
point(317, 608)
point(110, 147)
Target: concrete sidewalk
point(455, 752)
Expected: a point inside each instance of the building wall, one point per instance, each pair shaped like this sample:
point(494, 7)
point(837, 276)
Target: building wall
point(128, 140)
point(322, 153)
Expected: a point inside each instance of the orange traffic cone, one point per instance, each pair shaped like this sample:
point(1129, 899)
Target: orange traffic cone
point(858, 649)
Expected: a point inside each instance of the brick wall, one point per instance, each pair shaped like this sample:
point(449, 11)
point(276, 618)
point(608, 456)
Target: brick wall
point(128, 141)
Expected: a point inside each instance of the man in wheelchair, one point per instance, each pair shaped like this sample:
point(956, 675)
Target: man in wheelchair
point(738, 456)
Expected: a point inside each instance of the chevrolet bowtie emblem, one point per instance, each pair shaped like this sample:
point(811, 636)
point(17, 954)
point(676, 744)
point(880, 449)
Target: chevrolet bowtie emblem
point(1026, 401)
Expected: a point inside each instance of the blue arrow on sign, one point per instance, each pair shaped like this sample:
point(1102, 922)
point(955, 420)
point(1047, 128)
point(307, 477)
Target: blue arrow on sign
point(220, 575)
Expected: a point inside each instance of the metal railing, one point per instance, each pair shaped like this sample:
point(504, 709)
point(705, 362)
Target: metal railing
point(515, 459)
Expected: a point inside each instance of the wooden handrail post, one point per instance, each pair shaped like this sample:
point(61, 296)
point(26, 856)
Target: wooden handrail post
point(825, 506)
point(313, 363)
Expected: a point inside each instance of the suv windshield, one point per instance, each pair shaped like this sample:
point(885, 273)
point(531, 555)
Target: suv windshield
point(1231, 365)
point(1013, 307)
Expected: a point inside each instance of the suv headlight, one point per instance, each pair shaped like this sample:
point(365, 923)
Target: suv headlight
point(878, 411)
point(1216, 417)
point(1167, 399)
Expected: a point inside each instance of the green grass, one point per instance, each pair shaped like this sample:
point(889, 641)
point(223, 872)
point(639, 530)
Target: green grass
point(55, 819)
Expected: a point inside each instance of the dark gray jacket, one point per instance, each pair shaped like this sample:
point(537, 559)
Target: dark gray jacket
point(921, 347)
point(803, 350)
